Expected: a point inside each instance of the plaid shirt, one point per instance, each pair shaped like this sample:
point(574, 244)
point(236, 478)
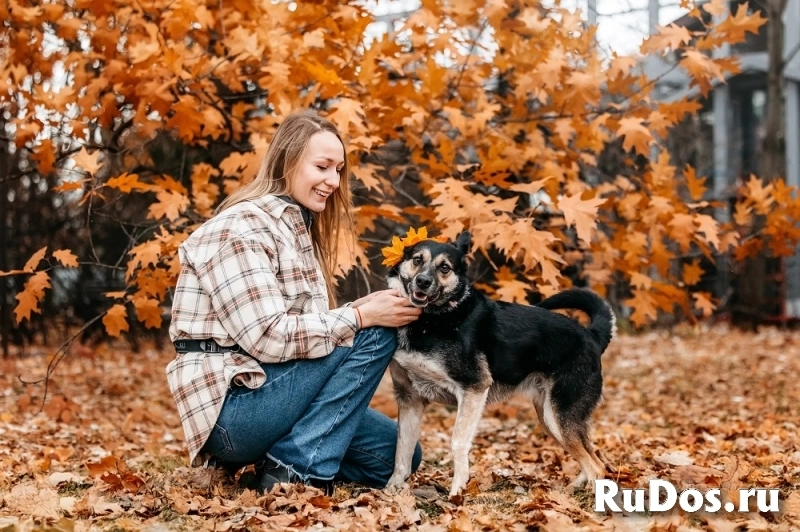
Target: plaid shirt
point(248, 276)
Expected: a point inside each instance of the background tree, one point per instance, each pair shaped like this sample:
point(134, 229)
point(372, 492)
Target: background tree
point(132, 120)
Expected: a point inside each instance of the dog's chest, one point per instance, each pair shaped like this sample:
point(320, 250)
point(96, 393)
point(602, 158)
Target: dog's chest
point(428, 376)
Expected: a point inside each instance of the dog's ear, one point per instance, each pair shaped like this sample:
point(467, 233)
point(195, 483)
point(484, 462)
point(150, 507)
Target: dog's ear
point(463, 242)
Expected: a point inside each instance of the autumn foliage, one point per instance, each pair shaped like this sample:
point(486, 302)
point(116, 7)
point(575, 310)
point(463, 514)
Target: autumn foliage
point(495, 116)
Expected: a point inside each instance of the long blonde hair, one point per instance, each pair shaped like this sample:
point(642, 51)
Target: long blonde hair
point(286, 150)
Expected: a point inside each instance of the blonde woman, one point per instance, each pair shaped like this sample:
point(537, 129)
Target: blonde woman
point(269, 370)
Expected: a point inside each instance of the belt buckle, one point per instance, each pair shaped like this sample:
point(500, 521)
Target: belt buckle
point(210, 346)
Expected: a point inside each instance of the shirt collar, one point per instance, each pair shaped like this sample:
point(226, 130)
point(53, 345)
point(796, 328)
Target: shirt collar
point(275, 205)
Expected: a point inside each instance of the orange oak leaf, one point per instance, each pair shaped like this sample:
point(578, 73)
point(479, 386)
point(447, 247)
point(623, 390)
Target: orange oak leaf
point(86, 161)
point(34, 261)
point(148, 311)
point(636, 135)
point(126, 182)
point(703, 302)
point(692, 273)
point(116, 320)
point(668, 38)
point(66, 258)
point(31, 295)
point(581, 213)
point(736, 27)
point(695, 185)
point(169, 205)
point(644, 307)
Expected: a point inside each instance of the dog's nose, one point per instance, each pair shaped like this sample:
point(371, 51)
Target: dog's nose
point(424, 282)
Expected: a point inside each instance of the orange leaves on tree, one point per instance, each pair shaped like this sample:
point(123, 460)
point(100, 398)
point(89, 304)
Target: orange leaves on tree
point(644, 307)
point(148, 311)
point(581, 213)
point(88, 162)
point(668, 38)
point(34, 261)
point(127, 183)
point(703, 302)
point(31, 295)
point(66, 258)
point(692, 273)
point(169, 204)
point(759, 196)
point(635, 135)
point(509, 288)
point(734, 29)
point(116, 320)
point(695, 185)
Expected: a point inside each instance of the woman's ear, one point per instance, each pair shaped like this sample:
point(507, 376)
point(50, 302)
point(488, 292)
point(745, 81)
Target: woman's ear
point(463, 242)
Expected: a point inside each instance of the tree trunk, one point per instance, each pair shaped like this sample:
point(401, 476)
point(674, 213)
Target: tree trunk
point(773, 159)
point(5, 170)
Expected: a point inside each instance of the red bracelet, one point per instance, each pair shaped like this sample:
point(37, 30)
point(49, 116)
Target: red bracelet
point(360, 321)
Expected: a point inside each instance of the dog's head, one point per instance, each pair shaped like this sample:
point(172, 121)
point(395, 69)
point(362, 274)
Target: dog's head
point(433, 275)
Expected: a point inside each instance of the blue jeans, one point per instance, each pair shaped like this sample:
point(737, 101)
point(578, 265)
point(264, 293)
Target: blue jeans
point(313, 416)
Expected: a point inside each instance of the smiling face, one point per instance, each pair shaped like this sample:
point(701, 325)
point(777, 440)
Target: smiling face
point(317, 175)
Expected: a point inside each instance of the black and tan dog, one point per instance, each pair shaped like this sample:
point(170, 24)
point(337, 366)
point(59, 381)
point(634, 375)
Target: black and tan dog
point(466, 349)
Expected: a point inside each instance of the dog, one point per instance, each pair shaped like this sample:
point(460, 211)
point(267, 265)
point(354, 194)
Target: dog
point(466, 350)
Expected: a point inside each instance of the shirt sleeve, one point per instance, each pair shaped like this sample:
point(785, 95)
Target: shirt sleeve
point(245, 293)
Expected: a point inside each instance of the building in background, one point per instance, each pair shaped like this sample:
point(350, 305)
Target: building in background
point(730, 133)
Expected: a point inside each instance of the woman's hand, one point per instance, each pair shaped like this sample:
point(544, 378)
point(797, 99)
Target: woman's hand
point(360, 301)
point(387, 308)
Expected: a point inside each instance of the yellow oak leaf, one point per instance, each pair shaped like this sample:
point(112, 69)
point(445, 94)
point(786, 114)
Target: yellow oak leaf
point(116, 320)
point(394, 253)
point(66, 257)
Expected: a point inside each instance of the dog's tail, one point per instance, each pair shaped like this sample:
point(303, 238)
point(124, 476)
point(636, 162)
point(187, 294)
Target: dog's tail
point(604, 323)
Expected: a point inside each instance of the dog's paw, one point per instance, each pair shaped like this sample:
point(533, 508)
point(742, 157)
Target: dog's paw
point(396, 484)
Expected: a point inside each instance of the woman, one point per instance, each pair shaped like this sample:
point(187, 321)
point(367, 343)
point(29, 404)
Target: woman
point(269, 371)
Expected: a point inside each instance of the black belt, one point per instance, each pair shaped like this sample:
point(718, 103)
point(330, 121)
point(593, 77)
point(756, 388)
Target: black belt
point(206, 346)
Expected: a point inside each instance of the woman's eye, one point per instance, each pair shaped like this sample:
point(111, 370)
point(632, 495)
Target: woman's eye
point(323, 168)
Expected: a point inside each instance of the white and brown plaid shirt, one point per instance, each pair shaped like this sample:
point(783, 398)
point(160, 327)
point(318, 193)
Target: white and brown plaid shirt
point(249, 276)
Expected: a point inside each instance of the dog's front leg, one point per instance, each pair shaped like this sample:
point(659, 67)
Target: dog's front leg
point(470, 410)
point(410, 408)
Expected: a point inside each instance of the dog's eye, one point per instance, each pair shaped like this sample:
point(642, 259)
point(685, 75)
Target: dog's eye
point(444, 268)
point(417, 261)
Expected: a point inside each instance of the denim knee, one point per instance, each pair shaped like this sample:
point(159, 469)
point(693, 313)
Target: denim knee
point(385, 341)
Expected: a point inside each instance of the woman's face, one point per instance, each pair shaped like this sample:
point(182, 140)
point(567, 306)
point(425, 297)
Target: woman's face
point(317, 174)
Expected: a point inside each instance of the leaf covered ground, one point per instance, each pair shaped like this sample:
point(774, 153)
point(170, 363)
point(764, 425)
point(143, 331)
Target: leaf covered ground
point(699, 408)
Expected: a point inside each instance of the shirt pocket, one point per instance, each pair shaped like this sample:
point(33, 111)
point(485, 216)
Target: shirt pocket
point(294, 283)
